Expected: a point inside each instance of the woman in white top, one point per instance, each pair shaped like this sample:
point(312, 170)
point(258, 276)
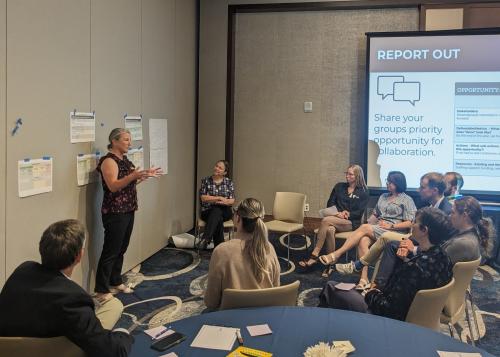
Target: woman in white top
point(246, 262)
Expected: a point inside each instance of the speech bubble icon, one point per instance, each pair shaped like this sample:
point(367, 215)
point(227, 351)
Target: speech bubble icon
point(406, 92)
point(385, 85)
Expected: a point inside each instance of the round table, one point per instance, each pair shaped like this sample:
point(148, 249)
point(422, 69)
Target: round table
point(296, 328)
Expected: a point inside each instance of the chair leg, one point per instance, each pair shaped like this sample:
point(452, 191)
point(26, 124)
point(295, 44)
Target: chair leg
point(288, 246)
point(305, 238)
point(452, 333)
point(195, 235)
point(474, 317)
point(467, 315)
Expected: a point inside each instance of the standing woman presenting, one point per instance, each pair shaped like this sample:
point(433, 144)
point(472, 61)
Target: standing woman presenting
point(119, 180)
point(216, 198)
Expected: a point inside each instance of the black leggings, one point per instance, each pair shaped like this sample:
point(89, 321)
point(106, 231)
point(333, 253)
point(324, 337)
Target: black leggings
point(117, 231)
point(214, 218)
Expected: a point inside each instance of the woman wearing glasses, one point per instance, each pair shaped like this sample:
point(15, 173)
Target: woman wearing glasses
point(350, 199)
point(246, 262)
point(395, 211)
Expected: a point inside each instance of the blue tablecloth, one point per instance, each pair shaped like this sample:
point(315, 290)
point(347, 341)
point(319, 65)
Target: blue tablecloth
point(296, 328)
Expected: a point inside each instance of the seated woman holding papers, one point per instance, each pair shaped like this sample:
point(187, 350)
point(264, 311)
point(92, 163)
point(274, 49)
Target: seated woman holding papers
point(346, 205)
point(246, 262)
point(431, 268)
point(395, 211)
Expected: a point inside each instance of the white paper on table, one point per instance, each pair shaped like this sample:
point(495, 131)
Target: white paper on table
point(153, 332)
point(158, 144)
point(34, 176)
point(82, 127)
point(171, 354)
point(137, 157)
point(345, 286)
point(215, 337)
point(134, 125)
point(458, 354)
point(86, 168)
point(259, 330)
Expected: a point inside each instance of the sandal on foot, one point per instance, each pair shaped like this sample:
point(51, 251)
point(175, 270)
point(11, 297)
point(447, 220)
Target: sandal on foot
point(328, 259)
point(362, 285)
point(327, 271)
point(122, 288)
point(305, 262)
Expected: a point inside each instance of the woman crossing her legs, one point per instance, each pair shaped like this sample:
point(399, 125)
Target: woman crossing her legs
point(349, 199)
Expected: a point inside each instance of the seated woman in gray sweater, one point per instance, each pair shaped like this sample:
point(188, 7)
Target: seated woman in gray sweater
point(473, 232)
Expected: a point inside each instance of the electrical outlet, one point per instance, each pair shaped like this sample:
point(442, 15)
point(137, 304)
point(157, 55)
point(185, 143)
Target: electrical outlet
point(306, 207)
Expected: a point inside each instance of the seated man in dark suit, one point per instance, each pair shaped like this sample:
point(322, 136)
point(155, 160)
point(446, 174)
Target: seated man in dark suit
point(41, 300)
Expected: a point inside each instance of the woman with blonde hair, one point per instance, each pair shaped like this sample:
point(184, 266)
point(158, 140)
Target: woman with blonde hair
point(119, 180)
point(246, 262)
point(350, 199)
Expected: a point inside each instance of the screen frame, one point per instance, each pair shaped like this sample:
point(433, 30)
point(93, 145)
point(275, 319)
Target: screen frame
point(493, 196)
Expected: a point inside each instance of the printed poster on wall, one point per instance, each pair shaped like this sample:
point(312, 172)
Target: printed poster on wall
point(158, 144)
point(86, 168)
point(34, 176)
point(82, 127)
point(137, 157)
point(134, 125)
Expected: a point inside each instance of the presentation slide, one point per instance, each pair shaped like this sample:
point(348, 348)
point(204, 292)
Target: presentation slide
point(434, 105)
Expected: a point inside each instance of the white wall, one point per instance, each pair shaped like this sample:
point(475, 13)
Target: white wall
point(114, 57)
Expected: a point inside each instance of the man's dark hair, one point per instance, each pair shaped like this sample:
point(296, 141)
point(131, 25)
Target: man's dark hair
point(457, 180)
point(398, 179)
point(61, 243)
point(437, 222)
point(435, 180)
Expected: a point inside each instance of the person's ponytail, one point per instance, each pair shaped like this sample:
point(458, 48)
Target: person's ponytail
point(483, 225)
point(486, 233)
point(251, 212)
point(258, 249)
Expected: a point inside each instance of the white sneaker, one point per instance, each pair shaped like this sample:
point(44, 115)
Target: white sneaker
point(347, 268)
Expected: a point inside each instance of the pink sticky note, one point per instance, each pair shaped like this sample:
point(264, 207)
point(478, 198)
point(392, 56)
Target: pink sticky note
point(259, 330)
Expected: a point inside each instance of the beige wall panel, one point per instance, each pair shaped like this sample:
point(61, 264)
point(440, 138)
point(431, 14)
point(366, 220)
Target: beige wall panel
point(115, 91)
point(168, 67)
point(49, 75)
point(281, 61)
point(182, 149)
point(212, 85)
point(158, 48)
point(212, 79)
point(444, 19)
point(3, 143)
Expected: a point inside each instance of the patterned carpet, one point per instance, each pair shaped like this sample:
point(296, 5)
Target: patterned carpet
point(169, 286)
